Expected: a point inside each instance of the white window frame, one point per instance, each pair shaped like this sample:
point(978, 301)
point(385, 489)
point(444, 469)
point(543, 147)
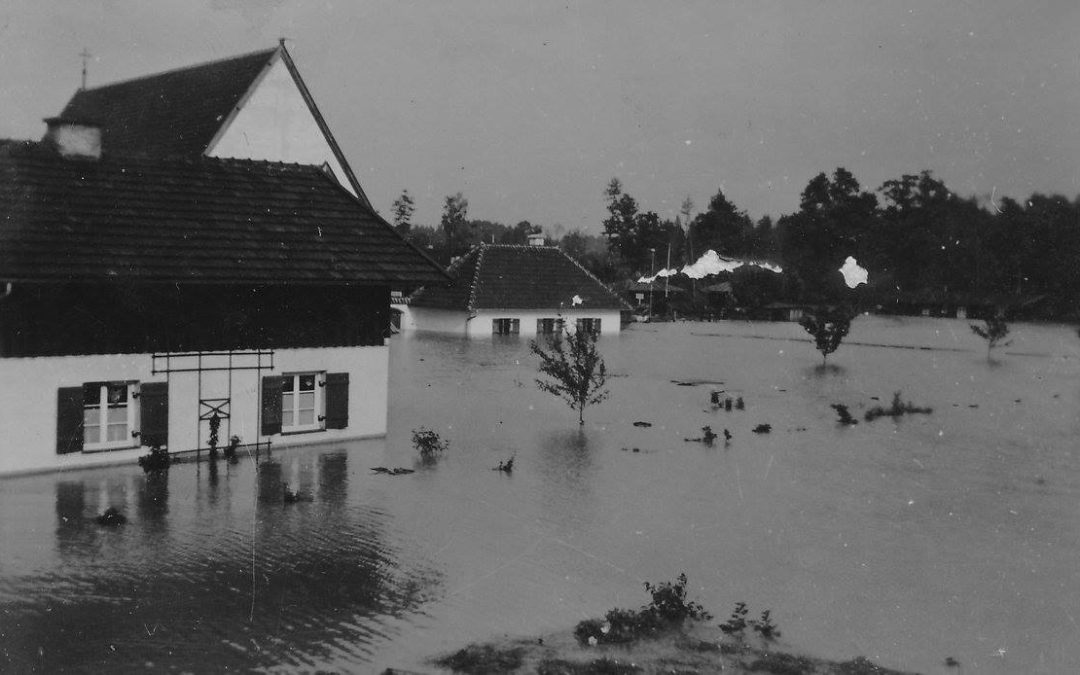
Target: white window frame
point(131, 439)
point(319, 413)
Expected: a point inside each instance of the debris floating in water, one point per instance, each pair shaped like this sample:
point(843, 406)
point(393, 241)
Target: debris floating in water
point(708, 437)
point(505, 467)
point(396, 471)
point(111, 518)
point(642, 424)
point(762, 428)
point(291, 497)
point(845, 416)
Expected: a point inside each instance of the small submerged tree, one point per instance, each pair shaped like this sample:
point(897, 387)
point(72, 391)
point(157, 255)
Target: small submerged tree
point(576, 369)
point(829, 326)
point(993, 330)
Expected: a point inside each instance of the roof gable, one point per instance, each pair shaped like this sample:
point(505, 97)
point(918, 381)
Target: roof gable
point(172, 113)
point(193, 111)
point(495, 276)
point(191, 220)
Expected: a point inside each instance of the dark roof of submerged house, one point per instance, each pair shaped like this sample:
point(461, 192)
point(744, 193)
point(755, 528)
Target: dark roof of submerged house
point(181, 112)
point(190, 220)
point(503, 276)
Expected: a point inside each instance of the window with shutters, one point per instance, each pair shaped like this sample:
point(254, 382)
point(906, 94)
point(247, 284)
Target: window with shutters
point(302, 406)
point(110, 416)
point(506, 326)
point(549, 326)
point(589, 326)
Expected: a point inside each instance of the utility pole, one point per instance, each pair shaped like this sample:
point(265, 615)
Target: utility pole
point(85, 54)
point(652, 272)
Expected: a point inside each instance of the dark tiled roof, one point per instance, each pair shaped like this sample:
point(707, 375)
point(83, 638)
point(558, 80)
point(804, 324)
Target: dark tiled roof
point(493, 276)
point(172, 113)
point(191, 220)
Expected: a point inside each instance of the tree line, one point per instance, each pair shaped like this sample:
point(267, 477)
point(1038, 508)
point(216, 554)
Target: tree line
point(919, 240)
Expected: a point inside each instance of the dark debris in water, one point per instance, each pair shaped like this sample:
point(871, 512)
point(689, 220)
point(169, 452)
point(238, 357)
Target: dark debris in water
point(396, 471)
point(294, 496)
point(111, 518)
point(845, 416)
point(762, 429)
point(642, 424)
point(695, 383)
point(708, 436)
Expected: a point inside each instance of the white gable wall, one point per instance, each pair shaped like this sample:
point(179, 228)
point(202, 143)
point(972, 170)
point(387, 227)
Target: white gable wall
point(275, 124)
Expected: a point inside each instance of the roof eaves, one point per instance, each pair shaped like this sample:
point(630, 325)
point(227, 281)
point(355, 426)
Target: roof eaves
point(382, 221)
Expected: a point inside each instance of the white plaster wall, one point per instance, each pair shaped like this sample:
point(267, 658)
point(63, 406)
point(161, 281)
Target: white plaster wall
point(28, 411)
point(457, 323)
point(481, 325)
point(275, 124)
point(435, 320)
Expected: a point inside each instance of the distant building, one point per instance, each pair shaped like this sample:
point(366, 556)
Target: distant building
point(148, 286)
point(515, 290)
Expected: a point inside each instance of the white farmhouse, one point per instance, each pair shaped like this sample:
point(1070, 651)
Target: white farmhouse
point(503, 289)
point(151, 289)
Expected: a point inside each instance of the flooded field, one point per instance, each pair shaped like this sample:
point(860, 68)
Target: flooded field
point(953, 534)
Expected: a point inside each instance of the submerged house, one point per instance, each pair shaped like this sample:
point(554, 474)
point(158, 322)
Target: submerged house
point(160, 296)
point(504, 289)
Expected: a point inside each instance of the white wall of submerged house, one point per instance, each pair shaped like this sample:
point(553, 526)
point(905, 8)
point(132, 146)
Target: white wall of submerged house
point(31, 419)
point(483, 324)
point(274, 123)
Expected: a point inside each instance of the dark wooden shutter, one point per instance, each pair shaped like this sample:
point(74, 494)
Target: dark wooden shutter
point(271, 405)
point(69, 420)
point(154, 411)
point(337, 400)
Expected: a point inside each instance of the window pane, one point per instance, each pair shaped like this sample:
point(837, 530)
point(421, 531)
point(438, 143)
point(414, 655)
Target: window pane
point(307, 400)
point(117, 432)
point(117, 394)
point(117, 415)
point(307, 383)
point(287, 383)
point(306, 417)
point(286, 417)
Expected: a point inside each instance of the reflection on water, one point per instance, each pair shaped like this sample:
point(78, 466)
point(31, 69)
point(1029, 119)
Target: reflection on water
point(220, 580)
point(907, 540)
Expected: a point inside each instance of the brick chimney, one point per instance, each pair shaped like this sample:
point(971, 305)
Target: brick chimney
point(74, 139)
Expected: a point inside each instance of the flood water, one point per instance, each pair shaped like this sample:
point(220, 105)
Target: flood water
point(908, 541)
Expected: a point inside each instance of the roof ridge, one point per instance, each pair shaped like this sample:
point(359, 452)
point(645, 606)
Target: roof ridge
point(471, 305)
point(181, 69)
point(593, 277)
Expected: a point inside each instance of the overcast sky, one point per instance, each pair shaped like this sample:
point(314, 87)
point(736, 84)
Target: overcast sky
point(529, 108)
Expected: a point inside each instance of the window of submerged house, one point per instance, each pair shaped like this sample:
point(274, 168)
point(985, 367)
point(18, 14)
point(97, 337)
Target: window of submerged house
point(548, 326)
point(589, 325)
point(506, 326)
point(109, 413)
point(301, 402)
